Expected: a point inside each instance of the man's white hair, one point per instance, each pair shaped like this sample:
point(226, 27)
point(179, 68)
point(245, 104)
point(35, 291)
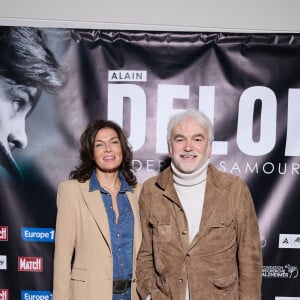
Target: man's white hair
point(197, 115)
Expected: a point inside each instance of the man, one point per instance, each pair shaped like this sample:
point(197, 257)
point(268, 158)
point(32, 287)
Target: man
point(200, 232)
point(26, 68)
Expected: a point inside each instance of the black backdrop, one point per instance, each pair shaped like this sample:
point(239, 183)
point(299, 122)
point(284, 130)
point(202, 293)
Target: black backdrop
point(249, 85)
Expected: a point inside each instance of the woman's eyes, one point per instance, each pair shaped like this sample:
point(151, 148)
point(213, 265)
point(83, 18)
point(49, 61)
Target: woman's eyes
point(98, 145)
point(112, 143)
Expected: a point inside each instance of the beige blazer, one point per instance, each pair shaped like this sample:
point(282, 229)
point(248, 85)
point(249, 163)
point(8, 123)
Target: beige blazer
point(82, 225)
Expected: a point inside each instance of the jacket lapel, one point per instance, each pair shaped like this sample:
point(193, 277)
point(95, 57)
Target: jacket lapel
point(96, 207)
point(132, 197)
point(213, 197)
point(165, 181)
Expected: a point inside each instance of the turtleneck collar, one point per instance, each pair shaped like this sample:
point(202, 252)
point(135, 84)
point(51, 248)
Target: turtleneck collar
point(191, 179)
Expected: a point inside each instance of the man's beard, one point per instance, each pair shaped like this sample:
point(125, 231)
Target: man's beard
point(10, 165)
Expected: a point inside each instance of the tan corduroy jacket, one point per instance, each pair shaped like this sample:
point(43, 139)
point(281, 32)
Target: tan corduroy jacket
point(223, 261)
point(82, 224)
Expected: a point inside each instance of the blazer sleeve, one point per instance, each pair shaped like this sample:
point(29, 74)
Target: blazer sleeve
point(145, 267)
point(249, 248)
point(64, 240)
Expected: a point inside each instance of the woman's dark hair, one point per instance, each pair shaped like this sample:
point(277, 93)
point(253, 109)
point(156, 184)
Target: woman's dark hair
point(84, 171)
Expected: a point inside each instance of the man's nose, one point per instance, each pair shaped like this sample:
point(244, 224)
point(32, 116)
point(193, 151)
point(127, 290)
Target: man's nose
point(188, 145)
point(18, 136)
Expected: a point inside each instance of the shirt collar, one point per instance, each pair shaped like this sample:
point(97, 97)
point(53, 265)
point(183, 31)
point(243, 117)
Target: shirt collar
point(95, 184)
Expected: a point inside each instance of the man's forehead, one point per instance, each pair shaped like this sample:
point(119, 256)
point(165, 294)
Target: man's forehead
point(11, 86)
point(189, 126)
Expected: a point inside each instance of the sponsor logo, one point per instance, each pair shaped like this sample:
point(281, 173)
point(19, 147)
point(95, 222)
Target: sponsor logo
point(3, 263)
point(127, 75)
point(38, 234)
point(3, 233)
point(286, 271)
point(30, 264)
point(291, 241)
point(36, 295)
point(3, 294)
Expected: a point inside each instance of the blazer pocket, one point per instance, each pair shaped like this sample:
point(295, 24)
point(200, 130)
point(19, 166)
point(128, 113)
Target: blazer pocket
point(222, 231)
point(162, 228)
point(225, 284)
point(79, 274)
point(221, 221)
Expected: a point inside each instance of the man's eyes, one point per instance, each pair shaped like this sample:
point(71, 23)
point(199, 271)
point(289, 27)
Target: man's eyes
point(179, 139)
point(18, 104)
point(197, 139)
point(20, 101)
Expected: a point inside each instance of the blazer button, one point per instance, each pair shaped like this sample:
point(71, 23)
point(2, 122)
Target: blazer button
point(184, 232)
point(180, 280)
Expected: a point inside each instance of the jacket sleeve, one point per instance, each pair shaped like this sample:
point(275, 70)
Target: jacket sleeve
point(249, 248)
point(145, 265)
point(64, 242)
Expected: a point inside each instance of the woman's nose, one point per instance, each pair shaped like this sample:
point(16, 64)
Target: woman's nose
point(107, 147)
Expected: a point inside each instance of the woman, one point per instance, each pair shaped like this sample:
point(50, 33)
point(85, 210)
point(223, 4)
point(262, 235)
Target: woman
point(97, 226)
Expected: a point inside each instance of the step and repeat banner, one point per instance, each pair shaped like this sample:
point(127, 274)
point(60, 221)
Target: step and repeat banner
point(54, 81)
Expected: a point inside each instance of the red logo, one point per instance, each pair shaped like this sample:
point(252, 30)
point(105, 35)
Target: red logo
point(3, 294)
point(30, 264)
point(3, 234)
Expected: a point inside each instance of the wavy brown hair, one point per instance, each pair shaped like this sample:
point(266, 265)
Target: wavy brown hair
point(87, 164)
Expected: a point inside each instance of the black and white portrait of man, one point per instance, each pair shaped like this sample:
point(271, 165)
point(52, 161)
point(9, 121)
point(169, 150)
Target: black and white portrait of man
point(27, 67)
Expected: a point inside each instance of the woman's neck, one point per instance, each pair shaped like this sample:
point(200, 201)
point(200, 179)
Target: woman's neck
point(110, 181)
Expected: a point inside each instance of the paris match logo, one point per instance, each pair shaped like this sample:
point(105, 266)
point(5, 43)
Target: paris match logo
point(3, 234)
point(3, 294)
point(30, 264)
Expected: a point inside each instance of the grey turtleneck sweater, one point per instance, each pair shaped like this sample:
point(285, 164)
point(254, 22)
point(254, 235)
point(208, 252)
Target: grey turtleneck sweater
point(190, 189)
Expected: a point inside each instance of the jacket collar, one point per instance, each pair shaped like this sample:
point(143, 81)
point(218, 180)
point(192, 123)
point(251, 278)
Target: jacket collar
point(96, 207)
point(165, 182)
